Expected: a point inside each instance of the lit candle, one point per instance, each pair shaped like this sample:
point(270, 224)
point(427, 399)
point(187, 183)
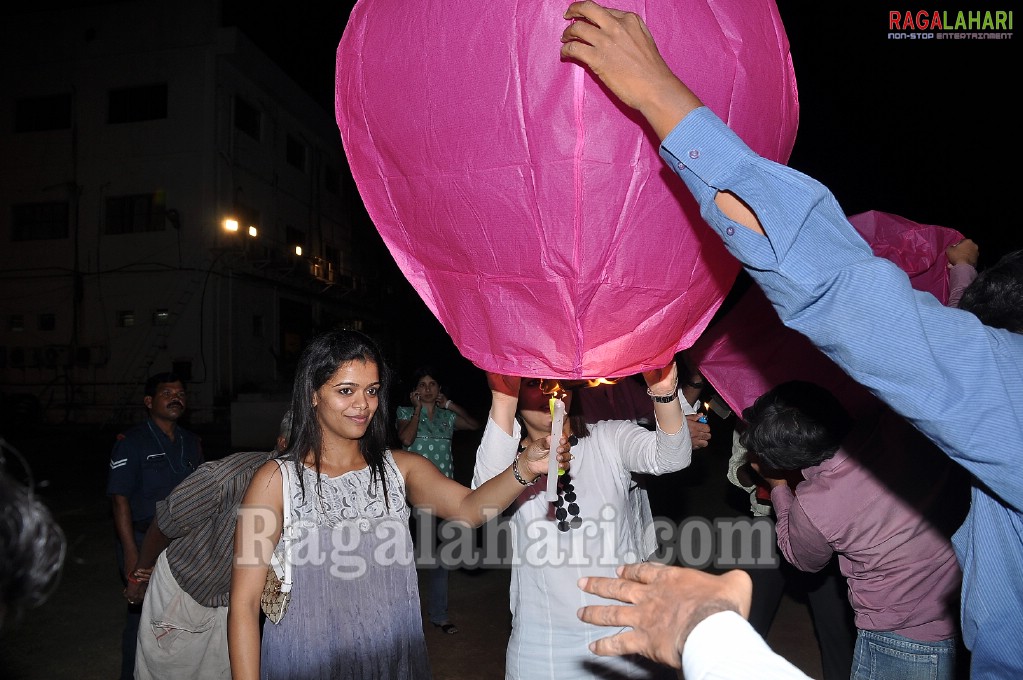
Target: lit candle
point(557, 427)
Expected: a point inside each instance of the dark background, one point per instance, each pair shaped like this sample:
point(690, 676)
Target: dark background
point(913, 127)
point(919, 128)
point(916, 128)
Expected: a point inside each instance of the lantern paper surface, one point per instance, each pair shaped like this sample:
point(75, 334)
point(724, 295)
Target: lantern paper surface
point(748, 350)
point(526, 206)
point(918, 249)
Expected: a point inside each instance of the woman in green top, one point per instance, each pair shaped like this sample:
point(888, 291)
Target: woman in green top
point(426, 427)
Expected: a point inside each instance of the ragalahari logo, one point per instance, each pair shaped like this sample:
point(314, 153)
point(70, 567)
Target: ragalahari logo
point(925, 24)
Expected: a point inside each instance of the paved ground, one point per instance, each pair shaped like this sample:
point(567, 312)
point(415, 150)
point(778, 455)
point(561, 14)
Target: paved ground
point(76, 634)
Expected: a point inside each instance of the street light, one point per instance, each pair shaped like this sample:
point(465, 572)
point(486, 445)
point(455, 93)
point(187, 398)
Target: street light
point(230, 224)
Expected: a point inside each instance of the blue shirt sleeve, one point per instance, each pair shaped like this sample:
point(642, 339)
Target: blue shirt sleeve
point(958, 381)
point(125, 468)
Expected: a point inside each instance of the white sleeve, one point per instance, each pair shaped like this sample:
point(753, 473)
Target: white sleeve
point(724, 646)
point(496, 451)
point(640, 450)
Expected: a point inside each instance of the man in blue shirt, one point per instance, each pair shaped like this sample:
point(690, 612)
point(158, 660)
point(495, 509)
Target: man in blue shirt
point(915, 354)
point(146, 463)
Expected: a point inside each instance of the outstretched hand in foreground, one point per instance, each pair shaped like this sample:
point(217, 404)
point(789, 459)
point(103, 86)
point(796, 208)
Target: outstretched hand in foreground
point(662, 606)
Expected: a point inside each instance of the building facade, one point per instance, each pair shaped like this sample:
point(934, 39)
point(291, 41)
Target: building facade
point(170, 200)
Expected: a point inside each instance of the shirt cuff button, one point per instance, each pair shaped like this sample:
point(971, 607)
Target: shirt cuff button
point(694, 153)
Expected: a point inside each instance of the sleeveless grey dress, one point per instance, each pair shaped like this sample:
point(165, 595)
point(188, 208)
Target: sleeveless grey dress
point(354, 611)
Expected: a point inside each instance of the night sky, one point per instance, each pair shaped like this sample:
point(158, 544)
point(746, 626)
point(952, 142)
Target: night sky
point(913, 127)
point(917, 128)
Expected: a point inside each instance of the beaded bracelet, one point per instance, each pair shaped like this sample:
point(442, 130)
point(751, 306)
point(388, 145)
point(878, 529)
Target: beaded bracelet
point(515, 471)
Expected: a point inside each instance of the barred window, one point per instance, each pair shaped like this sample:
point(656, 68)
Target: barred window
point(136, 213)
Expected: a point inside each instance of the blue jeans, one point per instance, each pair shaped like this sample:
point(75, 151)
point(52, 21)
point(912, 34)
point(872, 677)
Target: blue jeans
point(426, 528)
point(881, 655)
point(437, 597)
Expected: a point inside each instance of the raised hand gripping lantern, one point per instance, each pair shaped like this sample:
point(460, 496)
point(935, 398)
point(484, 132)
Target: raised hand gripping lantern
point(527, 206)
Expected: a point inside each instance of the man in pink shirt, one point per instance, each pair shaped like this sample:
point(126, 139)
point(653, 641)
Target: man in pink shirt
point(879, 494)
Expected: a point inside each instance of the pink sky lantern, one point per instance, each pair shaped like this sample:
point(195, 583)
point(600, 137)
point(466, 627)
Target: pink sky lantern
point(918, 249)
point(748, 350)
point(526, 206)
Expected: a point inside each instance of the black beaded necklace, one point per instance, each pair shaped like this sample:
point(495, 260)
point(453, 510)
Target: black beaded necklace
point(566, 509)
point(566, 505)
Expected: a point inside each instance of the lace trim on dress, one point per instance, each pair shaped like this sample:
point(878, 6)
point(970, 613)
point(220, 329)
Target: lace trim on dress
point(350, 497)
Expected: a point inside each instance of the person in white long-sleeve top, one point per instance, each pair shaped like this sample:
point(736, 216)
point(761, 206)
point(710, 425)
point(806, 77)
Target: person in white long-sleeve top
point(595, 524)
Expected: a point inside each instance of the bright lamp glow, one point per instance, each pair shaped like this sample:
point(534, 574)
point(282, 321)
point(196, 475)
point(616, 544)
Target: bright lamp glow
point(252, 231)
point(298, 250)
point(230, 224)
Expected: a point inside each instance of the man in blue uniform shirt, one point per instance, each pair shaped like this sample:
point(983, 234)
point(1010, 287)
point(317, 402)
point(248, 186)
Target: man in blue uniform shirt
point(146, 463)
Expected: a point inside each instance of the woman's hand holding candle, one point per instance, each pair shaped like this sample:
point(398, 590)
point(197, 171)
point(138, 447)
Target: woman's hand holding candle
point(557, 429)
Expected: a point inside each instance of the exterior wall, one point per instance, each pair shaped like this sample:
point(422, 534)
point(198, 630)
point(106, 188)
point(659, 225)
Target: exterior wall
point(193, 290)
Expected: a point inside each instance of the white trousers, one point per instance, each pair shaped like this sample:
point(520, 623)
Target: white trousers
point(178, 637)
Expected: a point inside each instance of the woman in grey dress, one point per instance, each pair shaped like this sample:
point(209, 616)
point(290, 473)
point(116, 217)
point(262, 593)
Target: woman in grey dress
point(354, 610)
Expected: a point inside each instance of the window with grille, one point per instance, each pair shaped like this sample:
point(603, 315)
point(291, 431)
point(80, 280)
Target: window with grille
point(136, 213)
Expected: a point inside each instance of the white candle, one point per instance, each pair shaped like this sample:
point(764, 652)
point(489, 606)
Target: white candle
point(557, 427)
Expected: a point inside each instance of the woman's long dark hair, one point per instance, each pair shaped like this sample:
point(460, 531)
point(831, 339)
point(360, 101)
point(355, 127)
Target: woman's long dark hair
point(422, 372)
point(319, 361)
